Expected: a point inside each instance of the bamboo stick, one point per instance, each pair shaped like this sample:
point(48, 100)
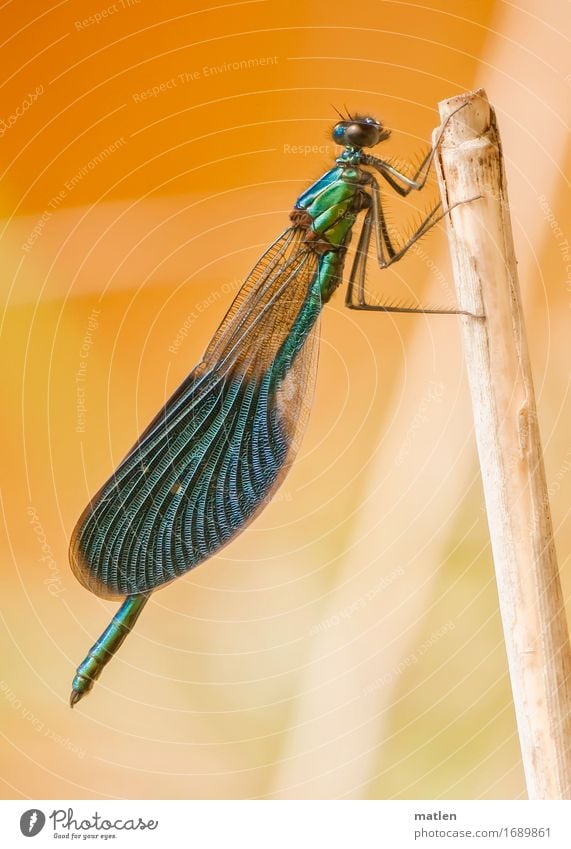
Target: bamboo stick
point(537, 642)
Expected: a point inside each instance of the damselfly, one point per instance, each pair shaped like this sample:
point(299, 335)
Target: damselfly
point(223, 443)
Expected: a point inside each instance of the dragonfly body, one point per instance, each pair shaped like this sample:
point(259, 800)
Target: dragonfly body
point(114, 546)
point(219, 448)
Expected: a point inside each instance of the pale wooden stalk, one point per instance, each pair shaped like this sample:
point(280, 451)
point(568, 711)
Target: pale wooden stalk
point(497, 361)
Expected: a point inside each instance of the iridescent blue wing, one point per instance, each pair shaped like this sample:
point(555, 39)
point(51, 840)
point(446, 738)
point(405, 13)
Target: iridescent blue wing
point(222, 444)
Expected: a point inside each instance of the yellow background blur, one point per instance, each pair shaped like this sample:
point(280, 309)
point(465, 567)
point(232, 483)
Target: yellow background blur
point(349, 643)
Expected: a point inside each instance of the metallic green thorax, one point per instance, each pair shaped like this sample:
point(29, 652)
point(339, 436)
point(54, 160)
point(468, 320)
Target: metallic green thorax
point(327, 212)
point(331, 206)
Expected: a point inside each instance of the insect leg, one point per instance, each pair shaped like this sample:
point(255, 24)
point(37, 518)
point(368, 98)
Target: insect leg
point(418, 180)
point(387, 254)
point(359, 266)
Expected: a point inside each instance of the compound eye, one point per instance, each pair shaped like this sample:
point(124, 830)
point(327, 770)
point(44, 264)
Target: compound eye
point(356, 135)
point(339, 133)
point(365, 134)
point(360, 133)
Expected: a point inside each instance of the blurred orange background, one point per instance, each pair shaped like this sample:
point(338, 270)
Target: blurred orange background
point(348, 644)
